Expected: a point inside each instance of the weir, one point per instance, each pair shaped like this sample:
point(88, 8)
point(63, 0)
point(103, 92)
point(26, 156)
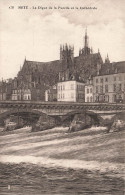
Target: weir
point(60, 113)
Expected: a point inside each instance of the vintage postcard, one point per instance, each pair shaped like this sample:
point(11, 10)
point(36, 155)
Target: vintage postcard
point(62, 97)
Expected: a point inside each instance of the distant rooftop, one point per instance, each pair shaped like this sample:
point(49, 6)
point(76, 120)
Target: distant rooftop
point(112, 68)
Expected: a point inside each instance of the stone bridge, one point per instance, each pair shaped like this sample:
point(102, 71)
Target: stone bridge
point(59, 109)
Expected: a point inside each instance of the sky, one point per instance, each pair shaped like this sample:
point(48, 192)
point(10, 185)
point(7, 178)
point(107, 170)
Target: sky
point(37, 33)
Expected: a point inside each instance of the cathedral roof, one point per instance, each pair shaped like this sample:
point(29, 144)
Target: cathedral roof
point(93, 57)
point(41, 66)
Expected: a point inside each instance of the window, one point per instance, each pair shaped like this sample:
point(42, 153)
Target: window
point(104, 98)
point(90, 90)
point(101, 89)
point(91, 99)
point(114, 97)
point(120, 87)
point(106, 79)
point(114, 78)
point(72, 95)
point(87, 99)
point(63, 87)
point(114, 87)
point(72, 86)
point(63, 96)
point(120, 97)
point(96, 89)
point(106, 88)
point(87, 90)
point(101, 80)
point(97, 98)
point(96, 80)
point(119, 78)
point(101, 98)
point(58, 87)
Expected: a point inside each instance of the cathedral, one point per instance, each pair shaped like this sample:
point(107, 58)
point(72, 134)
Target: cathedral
point(39, 76)
point(68, 67)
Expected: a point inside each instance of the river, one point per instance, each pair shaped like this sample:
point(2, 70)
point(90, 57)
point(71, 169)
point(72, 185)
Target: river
point(20, 177)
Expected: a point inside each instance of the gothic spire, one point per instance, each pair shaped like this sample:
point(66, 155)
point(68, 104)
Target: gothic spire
point(86, 39)
point(107, 59)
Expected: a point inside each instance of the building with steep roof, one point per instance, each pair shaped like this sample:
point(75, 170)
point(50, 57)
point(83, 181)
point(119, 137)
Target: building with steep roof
point(109, 84)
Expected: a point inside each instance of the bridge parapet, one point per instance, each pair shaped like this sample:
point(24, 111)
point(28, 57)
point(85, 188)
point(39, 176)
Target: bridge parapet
point(59, 108)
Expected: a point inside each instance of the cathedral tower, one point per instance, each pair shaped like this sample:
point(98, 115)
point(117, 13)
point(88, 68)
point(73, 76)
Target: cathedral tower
point(67, 56)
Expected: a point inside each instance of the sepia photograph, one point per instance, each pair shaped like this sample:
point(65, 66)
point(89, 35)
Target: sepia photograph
point(62, 97)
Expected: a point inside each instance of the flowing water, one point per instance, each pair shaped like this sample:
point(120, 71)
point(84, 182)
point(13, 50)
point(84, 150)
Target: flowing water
point(32, 179)
point(56, 163)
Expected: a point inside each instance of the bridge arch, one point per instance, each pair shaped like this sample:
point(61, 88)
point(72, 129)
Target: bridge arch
point(18, 111)
point(95, 117)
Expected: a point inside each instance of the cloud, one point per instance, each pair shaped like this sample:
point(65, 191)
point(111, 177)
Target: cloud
point(37, 34)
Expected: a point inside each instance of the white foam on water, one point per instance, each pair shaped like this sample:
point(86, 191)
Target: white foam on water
point(21, 146)
point(33, 145)
point(25, 132)
point(32, 137)
point(60, 149)
point(64, 163)
point(97, 128)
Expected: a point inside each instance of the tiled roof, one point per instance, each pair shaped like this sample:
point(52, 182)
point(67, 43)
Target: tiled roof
point(112, 68)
